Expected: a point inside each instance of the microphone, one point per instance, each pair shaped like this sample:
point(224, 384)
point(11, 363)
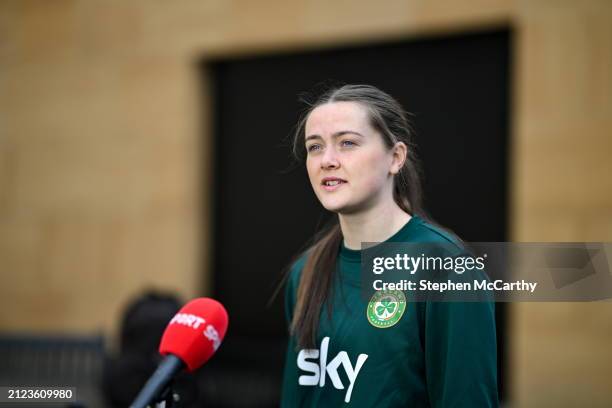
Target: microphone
point(193, 335)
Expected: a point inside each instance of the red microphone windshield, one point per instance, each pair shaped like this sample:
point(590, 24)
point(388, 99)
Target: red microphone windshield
point(195, 332)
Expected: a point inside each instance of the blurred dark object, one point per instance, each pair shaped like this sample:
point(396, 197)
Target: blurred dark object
point(54, 361)
point(145, 320)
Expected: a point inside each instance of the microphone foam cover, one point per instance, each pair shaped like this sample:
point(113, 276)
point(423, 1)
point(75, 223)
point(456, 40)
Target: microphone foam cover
point(195, 332)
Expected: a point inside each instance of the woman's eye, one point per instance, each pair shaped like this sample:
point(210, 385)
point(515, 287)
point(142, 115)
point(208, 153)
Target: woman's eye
point(313, 147)
point(348, 143)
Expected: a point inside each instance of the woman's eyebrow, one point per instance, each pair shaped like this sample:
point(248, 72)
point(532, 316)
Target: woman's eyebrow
point(335, 135)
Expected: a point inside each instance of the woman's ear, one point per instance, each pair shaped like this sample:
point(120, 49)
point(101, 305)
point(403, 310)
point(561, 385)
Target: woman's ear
point(400, 153)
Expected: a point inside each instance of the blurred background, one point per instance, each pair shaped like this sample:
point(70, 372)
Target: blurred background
point(145, 160)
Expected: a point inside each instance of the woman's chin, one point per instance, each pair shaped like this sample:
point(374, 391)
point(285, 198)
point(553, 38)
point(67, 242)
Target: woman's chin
point(341, 208)
point(334, 207)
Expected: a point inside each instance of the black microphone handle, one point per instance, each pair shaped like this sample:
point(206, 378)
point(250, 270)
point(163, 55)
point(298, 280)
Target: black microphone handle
point(167, 369)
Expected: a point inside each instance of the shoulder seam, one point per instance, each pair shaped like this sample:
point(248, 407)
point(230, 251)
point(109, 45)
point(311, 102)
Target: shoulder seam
point(442, 235)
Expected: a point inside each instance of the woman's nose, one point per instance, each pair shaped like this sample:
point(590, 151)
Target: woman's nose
point(330, 159)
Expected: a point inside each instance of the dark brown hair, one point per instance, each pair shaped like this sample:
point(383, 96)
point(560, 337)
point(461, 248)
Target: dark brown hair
point(317, 280)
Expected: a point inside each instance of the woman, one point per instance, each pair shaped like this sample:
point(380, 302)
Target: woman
point(362, 166)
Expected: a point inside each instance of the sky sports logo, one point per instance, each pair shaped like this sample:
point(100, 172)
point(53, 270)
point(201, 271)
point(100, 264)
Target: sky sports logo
point(319, 370)
point(193, 321)
point(189, 320)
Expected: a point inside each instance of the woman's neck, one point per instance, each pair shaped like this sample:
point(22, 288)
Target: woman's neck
point(374, 225)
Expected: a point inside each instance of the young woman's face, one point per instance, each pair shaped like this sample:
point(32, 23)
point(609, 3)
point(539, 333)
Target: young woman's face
point(348, 164)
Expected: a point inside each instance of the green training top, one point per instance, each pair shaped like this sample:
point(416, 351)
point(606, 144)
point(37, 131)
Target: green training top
point(439, 354)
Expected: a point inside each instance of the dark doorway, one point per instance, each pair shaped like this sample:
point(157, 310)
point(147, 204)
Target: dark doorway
point(264, 210)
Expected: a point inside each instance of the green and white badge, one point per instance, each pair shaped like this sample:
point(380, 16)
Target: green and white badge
point(386, 308)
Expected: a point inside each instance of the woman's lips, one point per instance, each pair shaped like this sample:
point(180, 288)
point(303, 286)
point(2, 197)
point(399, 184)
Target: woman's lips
point(332, 184)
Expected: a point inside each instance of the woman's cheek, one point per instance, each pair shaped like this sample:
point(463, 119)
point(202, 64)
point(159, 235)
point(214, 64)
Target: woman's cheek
point(369, 183)
point(310, 169)
point(371, 172)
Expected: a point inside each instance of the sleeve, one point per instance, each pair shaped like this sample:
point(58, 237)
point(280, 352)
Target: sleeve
point(461, 354)
point(460, 347)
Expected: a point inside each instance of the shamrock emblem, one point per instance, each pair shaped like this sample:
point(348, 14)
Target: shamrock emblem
point(386, 307)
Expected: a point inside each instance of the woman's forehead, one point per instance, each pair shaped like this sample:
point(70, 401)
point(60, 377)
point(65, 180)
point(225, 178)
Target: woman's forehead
point(332, 115)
